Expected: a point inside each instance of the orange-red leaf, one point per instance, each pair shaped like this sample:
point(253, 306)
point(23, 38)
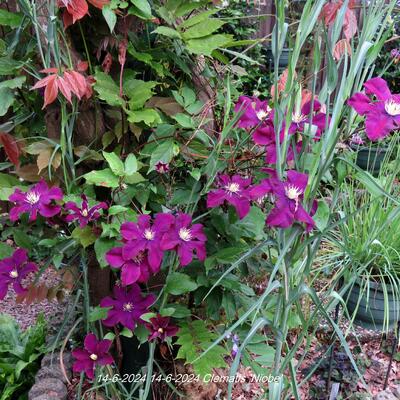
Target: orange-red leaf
point(11, 147)
point(82, 66)
point(77, 83)
point(350, 24)
point(281, 83)
point(64, 88)
point(99, 3)
point(341, 47)
point(51, 91)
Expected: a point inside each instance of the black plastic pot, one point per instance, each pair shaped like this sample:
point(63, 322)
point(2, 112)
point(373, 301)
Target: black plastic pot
point(283, 59)
point(370, 158)
point(370, 313)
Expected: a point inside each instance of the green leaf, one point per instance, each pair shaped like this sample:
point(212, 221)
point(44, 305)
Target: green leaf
point(101, 246)
point(321, 217)
point(169, 32)
point(141, 8)
point(204, 28)
point(180, 311)
point(114, 210)
point(141, 333)
point(13, 83)
point(98, 313)
point(206, 45)
point(7, 100)
point(138, 92)
point(109, 16)
point(131, 164)
point(22, 239)
point(107, 89)
point(5, 250)
point(134, 178)
point(126, 332)
point(163, 152)
point(115, 163)
point(10, 19)
point(184, 120)
point(148, 116)
point(178, 283)
point(84, 236)
point(8, 66)
point(109, 336)
point(103, 177)
point(197, 18)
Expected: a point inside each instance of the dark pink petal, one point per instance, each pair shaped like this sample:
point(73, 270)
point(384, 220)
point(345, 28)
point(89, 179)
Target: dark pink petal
point(259, 191)
point(169, 241)
point(103, 346)
point(361, 103)
point(241, 205)
point(130, 273)
point(49, 211)
point(302, 216)
point(215, 198)
point(17, 196)
point(378, 125)
point(280, 216)
point(3, 290)
point(20, 256)
point(130, 231)
point(18, 288)
point(185, 254)
point(200, 250)
point(297, 179)
point(306, 109)
point(378, 87)
point(105, 359)
point(71, 206)
point(114, 257)
point(163, 221)
point(80, 354)
point(264, 135)
point(90, 343)
point(155, 256)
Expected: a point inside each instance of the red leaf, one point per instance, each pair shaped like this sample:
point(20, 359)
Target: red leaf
point(107, 63)
point(43, 82)
point(341, 47)
point(281, 83)
point(350, 24)
point(11, 147)
point(77, 83)
point(50, 93)
point(77, 8)
point(64, 88)
point(82, 66)
point(99, 3)
point(49, 70)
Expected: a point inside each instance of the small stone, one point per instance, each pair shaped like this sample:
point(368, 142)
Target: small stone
point(46, 397)
point(385, 395)
point(49, 387)
point(53, 359)
point(397, 391)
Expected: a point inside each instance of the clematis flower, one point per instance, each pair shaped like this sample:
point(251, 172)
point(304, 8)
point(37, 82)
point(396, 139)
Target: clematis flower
point(13, 270)
point(135, 269)
point(233, 190)
point(127, 306)
point(186, 239)
point(95, 352)
point(38, 199)
point(145, 235)
point(288, 196)
point(302, 117)
point(161, 328)
point(77, 9)
point(162, 167)
point(382, 112)
point(84, 214)
point(235, 343)
point(254, 111)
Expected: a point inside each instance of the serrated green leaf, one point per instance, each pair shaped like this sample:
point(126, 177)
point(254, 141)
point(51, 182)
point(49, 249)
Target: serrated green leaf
point(13, 83)
point(138, 92)
point(107, 89)
point(197, 18)
point(206, 45)
point(184, 120)
point(169, 32)
point(134, 178)
point(115, 163)
point(131, 164)
point(105, 178)
point(98, 313)
point(84, 236)
point(203, 28)
point(114, 210)
point(5, 250)
point(148, 116)
point(13, 20)
point(178, 283)
point(163, 152)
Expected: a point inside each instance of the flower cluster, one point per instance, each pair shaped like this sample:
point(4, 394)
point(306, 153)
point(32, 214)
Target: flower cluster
point(145, 242)
point(380, 107)
point(287, 197)
point(13, 270)
point(259, 117)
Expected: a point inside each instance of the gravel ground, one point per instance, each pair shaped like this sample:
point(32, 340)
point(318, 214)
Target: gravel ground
point(26, 315)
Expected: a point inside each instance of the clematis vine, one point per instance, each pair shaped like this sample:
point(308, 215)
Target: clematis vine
point(186, 239)
point(39, 199)
point(233, 190)
point(13, 270)
point(95, 352)
point(161, 328)
point(133, 269)
point(288, 197)
point(127, 306)
point(83, 214)
point(380, 107)
point(145, 235)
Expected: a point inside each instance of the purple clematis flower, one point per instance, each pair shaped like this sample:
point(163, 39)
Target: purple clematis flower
point(186, 239)
point(145, 235)
point(382, 113)
point(254, 111)
point(13, 270)
point(161, 328)
point(234, 190)
point(288, 196)
point(38, 199)
point(95, 352)
point(135, 269)
point(302, 117)
point(127, 306)
point(83, 214)
point(162, 167)
point(235, 343)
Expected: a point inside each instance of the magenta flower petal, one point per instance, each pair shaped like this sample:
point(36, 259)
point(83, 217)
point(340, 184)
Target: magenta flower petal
point(114, 257)
point(378, 126)
point(378, 87)
point(83, 214)
point(161, 328)
point(361, 103)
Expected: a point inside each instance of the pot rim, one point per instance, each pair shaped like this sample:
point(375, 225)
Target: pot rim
point(360, 147)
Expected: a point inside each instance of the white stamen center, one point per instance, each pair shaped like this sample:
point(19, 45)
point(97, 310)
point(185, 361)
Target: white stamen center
point(127, 307)
point(93, 357)
point(185, 234)
point(148, 234)
point(392, 107)
point(85, 212)
point(262, 114)
point(298, 117)
point(14, 274)
point(232, 187)
point(32, 197)
point(160, 330)
point(293, 193)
